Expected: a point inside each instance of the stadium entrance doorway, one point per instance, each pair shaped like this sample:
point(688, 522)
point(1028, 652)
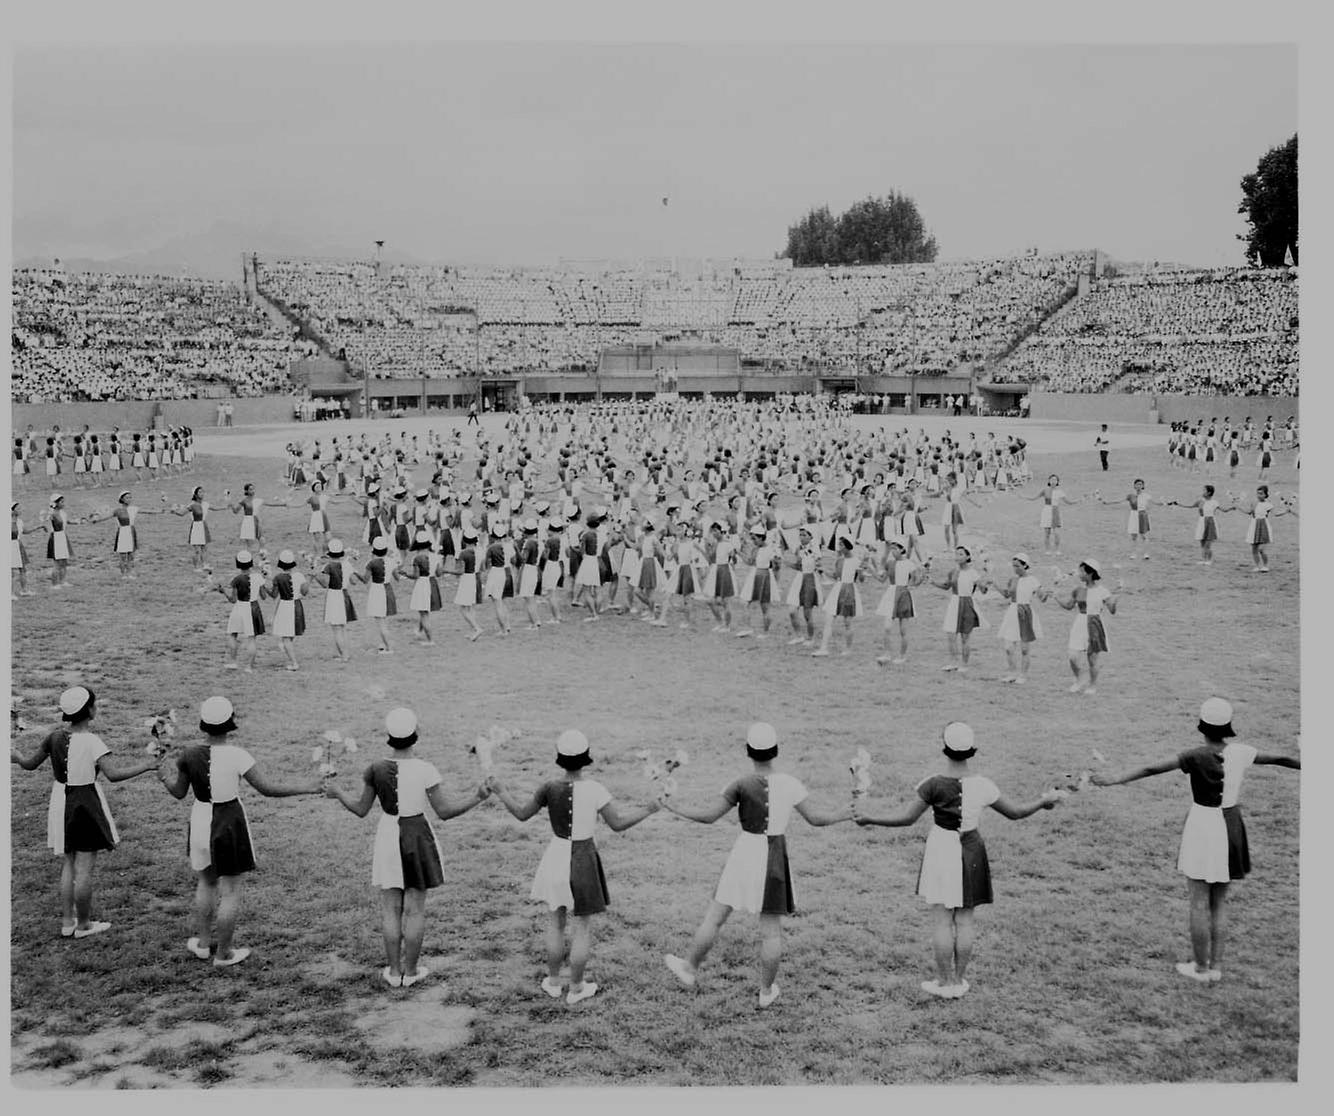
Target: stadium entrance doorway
point(500, 395)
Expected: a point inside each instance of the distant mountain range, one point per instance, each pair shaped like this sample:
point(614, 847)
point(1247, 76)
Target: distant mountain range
point(214, 253)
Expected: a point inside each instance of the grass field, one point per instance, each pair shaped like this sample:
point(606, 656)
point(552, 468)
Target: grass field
point(1072, 977)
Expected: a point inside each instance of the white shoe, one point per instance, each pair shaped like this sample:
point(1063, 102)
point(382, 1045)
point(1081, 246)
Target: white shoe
point(745, 632)
point(1190, 969)
point(950, 666)
point(819, 652)
point(898, 662)
point(585, 990)
point(795, 641)
point(935, 988)
point(769, 996)
point(680, 969)
point(552, 988)
point(1075, 687)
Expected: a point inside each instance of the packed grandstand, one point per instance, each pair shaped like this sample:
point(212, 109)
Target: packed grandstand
point(1020, 319)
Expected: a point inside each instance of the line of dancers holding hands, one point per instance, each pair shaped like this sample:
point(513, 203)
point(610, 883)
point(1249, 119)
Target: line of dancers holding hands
point(406, 861)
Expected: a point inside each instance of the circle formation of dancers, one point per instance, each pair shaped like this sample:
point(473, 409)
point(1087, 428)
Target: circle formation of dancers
point(754, 513)
point(570, 882)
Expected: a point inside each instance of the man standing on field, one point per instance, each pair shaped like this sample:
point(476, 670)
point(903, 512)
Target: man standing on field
point(1103, 445)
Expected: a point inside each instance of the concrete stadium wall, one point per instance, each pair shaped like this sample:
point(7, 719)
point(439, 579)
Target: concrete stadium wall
point(1171, 408)
point(138, 414)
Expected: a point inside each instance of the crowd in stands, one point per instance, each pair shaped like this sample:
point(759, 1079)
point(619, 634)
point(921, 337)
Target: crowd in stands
point(444, 321)
point(85, 336)
point(1230, 331)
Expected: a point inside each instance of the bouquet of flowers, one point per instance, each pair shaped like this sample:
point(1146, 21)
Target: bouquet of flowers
point(661, 773)
point(860, 767)
point(323, 754)
point(161, 727)
point(485, 745)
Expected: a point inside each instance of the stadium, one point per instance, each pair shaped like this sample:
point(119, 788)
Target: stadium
point(331, 568)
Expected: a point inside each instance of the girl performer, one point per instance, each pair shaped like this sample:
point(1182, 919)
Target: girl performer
point(845, 599)
point(955, 878)
point(1088, 637)
point(499, 580)
point(126, 541)
point(248, 506)
point(756, 877)
point(569, 878)
point(961, 615)
point(380, 600)
point(405, 861)
point(78, 822)
point(338, 607)
point(245, 620)
point(896, 606)
point(1206, 525)
point(219, 833)
point(18, 553)
point(804, 595)
point(289, 618)
point(426, 586)
point(1052, 497)
point(530, 579)
point(198, 537)
point(468, 595)
point(58, 548)
point(1138, 524)
point(1020, 628)
point(1214, 850)
point(761, 585)
point(1258, 535)
point(552, 570)
point(318, 502)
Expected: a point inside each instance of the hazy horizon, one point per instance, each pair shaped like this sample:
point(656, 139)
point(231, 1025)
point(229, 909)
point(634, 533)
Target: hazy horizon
point(528, 153)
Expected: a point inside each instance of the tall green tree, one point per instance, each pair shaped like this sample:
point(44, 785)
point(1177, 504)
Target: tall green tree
point(814, 239)
point(1269, 203)
point(873, 231)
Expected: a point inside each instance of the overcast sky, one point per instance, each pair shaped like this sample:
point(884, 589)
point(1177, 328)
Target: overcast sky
point(528, 153)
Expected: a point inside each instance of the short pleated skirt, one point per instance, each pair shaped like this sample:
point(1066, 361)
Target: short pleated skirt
point(154, 462)
point(249, 527)
point(1020, 625)
point(718, 582)
point(406, 854)
point(896, 604)
point(1213, 845)
point(844, 600)
point(338, 607)
point(553, 576)
point(319, 523)
point(18, 555)
point(1206, 530)
point(630, 563)
point(52, 466)
point(955, 872)
point(961, 616)
point(381, 600)
point(570, 875)
point(530, 584)
point(1051, 516)
point(289, 619)
point(590, 572)
point(127, 539)
point(651, 575)
point(95, 465)
point(468, 592)
point(80, 465)
point(756, 877)
point(499, 584)
point(219, 838)
point(952, 516)
point(113, 463)
point(20, 467)
point(58, 548)
point(805, 591)
point(1257, 532)
point(761, 586)
point(138, 461)
point(245, 619)
point(683, 581)
point(910, 525)
point(1088, 634)
point(55, 819)
point(402, 537)
point(88, 823)
point(199, 533)
point(1138, 523)
point(425, 595)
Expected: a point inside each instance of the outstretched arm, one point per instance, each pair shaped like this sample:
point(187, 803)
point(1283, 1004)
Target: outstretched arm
point(446, 808)
point(35, 759)
point(709, 813)
point(1274, 759)
point(176, 782)
point(117, 774)
point(618, 820)
point(906, 816)
point(1014, 812)
point(1135, 773)
point(261, 783)
point(358, 804)
point(522, 811)
point(816, 816)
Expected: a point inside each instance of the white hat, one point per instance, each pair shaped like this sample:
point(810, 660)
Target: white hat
point(244, 558)
point(73, 700)
point(1022, 557)
point(380, 544)
point(286, 558)
point(959, 737)
point(1216, 711)
point(530, 524)
point(1091, 564)
point(400, 723)
point(571, 742)
point(215, 711)
point(335, 548)
point(761, 737)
